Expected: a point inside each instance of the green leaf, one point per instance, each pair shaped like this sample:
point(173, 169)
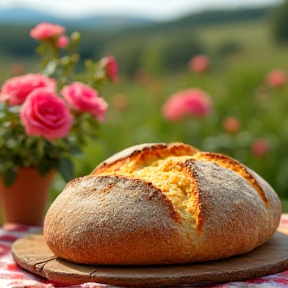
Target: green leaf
point(66, 169)
point(44, 166)
point(75, 150)
point(9, 176)
point(40, 147)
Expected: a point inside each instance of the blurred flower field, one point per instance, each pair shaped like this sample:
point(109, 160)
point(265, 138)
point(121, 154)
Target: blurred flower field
point(235, 104)
point(244, 117)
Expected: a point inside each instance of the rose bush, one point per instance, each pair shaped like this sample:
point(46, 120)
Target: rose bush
point(46, 116)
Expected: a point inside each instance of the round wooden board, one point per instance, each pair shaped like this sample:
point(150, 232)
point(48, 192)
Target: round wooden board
point(32, 254)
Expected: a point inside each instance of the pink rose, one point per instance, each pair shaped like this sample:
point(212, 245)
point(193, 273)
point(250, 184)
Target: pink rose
point(110, 65)
point(276, 78)
point(199, 63)
point(85, 99)
point(191, 102)
point(62, 41)
point(45, 114)
point(46, 30)
point(19, 87)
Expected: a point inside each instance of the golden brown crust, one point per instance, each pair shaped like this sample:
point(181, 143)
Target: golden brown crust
point(162, 204)
point(229, 163)
point(143, 154)
point(232, 214)
point(118, 222)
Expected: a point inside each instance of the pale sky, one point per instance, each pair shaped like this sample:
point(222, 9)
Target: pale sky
point(156, 9)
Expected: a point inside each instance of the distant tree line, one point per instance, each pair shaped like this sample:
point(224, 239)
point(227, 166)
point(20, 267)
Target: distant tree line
point(156, 49)
point(159, 47)
point(280, 22)
point(16, 40)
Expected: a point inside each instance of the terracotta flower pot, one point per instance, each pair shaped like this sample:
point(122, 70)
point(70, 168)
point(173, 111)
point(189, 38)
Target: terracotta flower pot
point(24, 201)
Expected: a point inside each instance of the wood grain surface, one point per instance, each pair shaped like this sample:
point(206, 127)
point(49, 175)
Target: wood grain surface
point(32, 254)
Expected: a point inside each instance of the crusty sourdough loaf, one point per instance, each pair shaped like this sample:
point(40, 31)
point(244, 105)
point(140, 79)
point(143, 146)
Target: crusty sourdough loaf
point(162, 204)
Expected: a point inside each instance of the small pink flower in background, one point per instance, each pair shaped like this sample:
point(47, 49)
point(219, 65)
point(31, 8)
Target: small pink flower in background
point(83, 98)
point(260, 147)
point(62, 41)
point(191, 102)
point(276, 78)
point(120, 101)
point(45, 114)
point(261, 96)
point(19, 87)
point(142, 76)
point(111, 66)
point(17, 69)
point(199, 63)
point(231, 124)
point(45, 30)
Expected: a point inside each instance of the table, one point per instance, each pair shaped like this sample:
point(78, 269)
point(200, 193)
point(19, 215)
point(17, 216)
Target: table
point(13, 276)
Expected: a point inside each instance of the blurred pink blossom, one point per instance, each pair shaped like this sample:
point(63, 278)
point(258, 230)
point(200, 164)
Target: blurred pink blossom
point(260, 147)
point(46, 30)
point(111, 66)
point(62, 41)
point(19, 87)
point(142, 76)
point(83, 98)
point(231, 124)
point(17, 68)
point(120, 101)
point(199, 63)
point(191, 102)
point(45, 114)
point(276, 78)
point(261, 95)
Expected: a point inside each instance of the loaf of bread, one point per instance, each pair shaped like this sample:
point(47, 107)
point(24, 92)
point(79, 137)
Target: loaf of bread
point(156, 204)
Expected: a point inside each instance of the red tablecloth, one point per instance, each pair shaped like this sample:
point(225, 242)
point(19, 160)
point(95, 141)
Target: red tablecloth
point(13, 276)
